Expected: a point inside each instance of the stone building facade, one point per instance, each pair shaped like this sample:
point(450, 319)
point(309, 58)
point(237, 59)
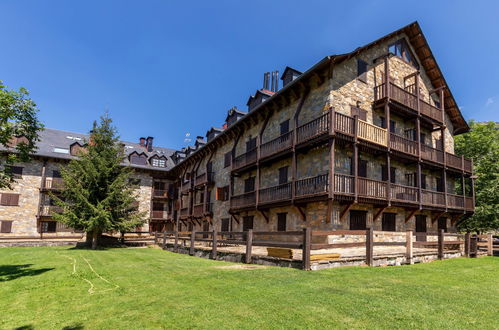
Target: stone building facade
point(362, 139)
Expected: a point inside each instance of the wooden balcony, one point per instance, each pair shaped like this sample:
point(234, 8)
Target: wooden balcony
point(184, 212)
point(277, 145)
point(408, 100)
point(243, 201)
point(275, 194)
point(186, 187)
point(371, 189)
point(455, 201)
point(344, 184)
point(404, 194)
point(205, 178)
point(313, 129)
point(49, 210)
point(245, 160)
point(159, 215)
point(433, 198)
point(160, 193)
point(313, 186)
point(372, 133)
point(198, 210)
point(344, 124)
point(459, 163)
point(432, 154)
point(53, 184)
point(403, 144)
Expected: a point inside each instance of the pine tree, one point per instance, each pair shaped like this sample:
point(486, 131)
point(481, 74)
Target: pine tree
point(97, 196)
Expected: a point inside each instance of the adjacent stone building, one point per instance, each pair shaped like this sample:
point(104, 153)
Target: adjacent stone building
point(361, 139)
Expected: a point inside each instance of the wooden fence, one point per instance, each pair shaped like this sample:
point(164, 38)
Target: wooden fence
point(304, 240)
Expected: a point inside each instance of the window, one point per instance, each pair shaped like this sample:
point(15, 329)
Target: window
point(283, 175)
point(61, 151)
point(358, 220)
point(17, 171)
point(9, 199)
point(423, 181)
point(56, 174)
point(410, 179)
point(392, 126)
point(422, 138)
point(48, 226)
point(442, 224)
point(251, 144)
point(410, 134)
point(284, 127)
point(362, 169)
point(281, 221)
point(138, 159)
point(247, 222)
point(384, 174)
point(225, 224)
point(388, 223)
point(222, 193)
point(421, 223)
point(440, 185)
point(227, 159)
point(401, 49)
point(362, 70)
point(158, 162)
point(5, 226)
point(249, 184)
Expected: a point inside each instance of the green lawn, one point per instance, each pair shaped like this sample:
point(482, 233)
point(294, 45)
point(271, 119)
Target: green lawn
point(151, 288)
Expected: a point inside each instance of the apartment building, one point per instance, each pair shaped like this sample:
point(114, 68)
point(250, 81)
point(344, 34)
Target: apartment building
point(361, 139)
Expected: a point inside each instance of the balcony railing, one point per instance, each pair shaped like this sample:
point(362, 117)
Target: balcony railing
point(243, 200)
point(344, 184)
point(455, 201)
point(53, 183)
point(344, 124)
point(371, 188)
point(158, 214)
point(403, 144)
point(433, 198)
point(205, 178)
point(198, 210)
point(409, 100)
point(276, 145)
point(313, 128)
point(281, 192)
point(184, 212)
point(432, 154)
point(468, 203)
point(49, 210)
point(312, 186)
point(160, 193)
point(186, 186)
point(371, 133)
point(245, 159)
point(404, 193)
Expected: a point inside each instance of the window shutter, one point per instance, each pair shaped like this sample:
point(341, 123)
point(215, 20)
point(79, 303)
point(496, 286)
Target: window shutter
point(362, 70)
point(283, 175)
point(10, 199)
point(284, 127)
point(218, 194)
point(281, 221)
point(384, 173)
point(5, 227)
point(227, 159)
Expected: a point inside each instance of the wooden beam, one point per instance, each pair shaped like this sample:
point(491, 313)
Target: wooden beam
point(302, 212)
point(264, 215)
point(378, 214)
point(235, 218)
point(411, 214)
point(436, 216)
point(455, 218)
point(345, 210)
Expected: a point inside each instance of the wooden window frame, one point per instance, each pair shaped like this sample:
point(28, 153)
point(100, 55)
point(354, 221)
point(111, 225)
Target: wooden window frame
point(6, 226)
point(227, 159)
point(9, 199)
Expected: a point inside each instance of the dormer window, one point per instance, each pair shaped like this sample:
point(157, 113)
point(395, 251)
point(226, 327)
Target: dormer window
point(138, 159)
point(401, 49)
point(158, 162)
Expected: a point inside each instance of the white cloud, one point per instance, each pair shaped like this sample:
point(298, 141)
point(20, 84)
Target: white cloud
point(489, 101)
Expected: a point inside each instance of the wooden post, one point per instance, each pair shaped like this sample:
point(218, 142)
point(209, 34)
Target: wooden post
point(369, 246)
point(490, 245)
point(474, 246)
point(440, 244)
point(249, 245)
point(307, 237)
point(467, 240)
point(408, 247)
point(214, 245)
point(193, 242)
point(155, 237)
point(164, 240)
point(176, 241)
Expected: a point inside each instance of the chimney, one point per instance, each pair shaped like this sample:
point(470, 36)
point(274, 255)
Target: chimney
point(266, 78)
point(149, 143)
point(142, 141)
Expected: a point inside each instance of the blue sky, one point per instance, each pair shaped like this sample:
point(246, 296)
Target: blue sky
point(167, 68)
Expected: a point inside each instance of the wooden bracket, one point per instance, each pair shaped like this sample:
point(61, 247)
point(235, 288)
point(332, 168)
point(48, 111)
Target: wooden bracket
point(235, 218)
point(264, 215)
point(413, 211)
point(436, 216)
point(302, 212)
point(378, 214)
point(456, 218)
point(345, 211)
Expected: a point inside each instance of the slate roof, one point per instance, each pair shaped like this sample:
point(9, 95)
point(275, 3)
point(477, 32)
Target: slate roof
point(56, 144)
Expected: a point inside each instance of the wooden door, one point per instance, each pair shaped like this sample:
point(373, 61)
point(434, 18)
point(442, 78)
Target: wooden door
point(358, 220)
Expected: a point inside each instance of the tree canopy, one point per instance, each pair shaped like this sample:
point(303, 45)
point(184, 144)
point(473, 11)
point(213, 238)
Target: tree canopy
point(19, 128)
point(97, 195)
point(482, 145)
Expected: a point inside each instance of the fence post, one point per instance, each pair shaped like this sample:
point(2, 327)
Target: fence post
point(176, 241)
point(408, 247)
point(440, 244)
point(490, 245)
point(164, 239)
point(467, 239)
point(369, 246)
point(155, 237)
point(474, 246)
point(214, 245)
point(307, 236)
point(193, 240)
point(249, 245)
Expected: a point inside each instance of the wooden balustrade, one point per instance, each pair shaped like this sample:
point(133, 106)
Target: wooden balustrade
point(276, 145)
point(372, 133)
point(312, 186)
point(277, 193)
point(468, 165)
point(186, 186)
point(245, 159)
point(379, 92)
point(432, 154)
point(184, 212)
point(403, 144)
point(158, 214)
point(313, 128)
point(403, 97)
point(430, 111)
point(454, 161)
point(160, 193)
point(468, 203)
point(344, 124)
point(404, 193)
point(343, 184)
point(455, 201)
point(53, 183)
point(204, 178)
point(49, 210)
point(198, 210)
point(243, 200)
point(433, 198)
point(371, 188)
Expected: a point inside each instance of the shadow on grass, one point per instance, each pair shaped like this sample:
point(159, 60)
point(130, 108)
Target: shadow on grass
point(76, 326)
point(11, 272)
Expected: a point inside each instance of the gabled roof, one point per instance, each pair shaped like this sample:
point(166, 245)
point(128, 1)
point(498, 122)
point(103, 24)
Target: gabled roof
point(262, 91)
point(289, 69)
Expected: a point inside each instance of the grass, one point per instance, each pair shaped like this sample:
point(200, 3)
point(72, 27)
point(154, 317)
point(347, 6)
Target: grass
point(151, 288)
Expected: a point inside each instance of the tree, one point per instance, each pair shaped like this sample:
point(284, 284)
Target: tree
point(481, 144)
point(18, 121)
point(97, 195)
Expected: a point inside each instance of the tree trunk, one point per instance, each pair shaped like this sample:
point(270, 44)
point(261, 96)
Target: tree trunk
point(89, 239)
point(95, 236)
